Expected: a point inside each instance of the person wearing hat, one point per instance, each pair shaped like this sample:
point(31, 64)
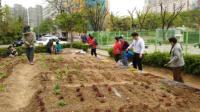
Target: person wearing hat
point(29, 41)
point(138, 46)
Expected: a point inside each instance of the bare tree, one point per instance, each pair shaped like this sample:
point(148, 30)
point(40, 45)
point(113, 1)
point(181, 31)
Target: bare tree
point(57, 4)
point(168, 18)
point(63, 5)
point(141, 15)
point(131, 13)
point(96, 15)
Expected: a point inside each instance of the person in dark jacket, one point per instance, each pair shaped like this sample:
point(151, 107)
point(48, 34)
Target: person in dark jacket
point(124, 45)
point(50, 47)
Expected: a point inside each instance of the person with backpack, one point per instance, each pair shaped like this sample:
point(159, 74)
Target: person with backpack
point(93, 44)
point(29, 40)
point(117, 49)
point(176, 62)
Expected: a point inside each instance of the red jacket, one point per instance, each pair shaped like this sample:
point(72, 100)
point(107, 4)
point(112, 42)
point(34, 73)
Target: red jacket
point(89, 40)
point(117, 49)
point(93, 43)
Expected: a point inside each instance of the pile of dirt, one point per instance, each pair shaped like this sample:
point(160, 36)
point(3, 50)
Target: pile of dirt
point(80, 83)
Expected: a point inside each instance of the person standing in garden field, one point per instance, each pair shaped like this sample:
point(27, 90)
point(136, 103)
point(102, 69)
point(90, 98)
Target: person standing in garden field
point(29, 41)
point(138, 46)
point(176, 62)
point(93, 44)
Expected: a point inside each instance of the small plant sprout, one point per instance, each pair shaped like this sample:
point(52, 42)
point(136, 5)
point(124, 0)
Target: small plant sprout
point(62, 103)
point(59, 59)
point(2, 87)
point(59, 74)
point(57, 89)
point(2, 75)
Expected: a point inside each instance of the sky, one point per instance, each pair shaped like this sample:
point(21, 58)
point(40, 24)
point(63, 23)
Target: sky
point(118, 7)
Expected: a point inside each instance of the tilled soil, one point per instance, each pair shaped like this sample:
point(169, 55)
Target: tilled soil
point(80, 83)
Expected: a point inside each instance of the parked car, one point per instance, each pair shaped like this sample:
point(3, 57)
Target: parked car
point(45, 39)
point(18, 43)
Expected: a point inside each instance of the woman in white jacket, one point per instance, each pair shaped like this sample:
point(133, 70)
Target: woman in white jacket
point(176, 61)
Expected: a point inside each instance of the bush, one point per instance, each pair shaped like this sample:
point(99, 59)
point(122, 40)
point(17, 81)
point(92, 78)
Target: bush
point(42, 49)
point(158, 59)
point(192, 62)
point(110, 52)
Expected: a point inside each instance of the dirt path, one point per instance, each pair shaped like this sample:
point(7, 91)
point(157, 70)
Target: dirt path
point(189, 79)
point(20, 87)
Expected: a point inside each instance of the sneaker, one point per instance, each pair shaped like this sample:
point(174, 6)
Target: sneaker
point(31, 63)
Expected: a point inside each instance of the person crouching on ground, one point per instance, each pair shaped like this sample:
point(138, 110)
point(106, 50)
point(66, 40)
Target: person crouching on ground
point(12, 52)
point(29, 41)
point(138, 46)
point(125, 45)
point(117, 49)
point(93, 44)
point(176, 62)
point(58, 48)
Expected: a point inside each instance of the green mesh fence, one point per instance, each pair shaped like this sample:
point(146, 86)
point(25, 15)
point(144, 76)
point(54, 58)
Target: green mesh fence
point(156, 40)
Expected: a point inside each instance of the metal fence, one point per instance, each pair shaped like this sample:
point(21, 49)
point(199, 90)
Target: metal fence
point(156, 40)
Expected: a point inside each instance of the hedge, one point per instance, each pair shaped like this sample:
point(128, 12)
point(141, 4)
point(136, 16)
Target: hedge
point(42, 49)
point(158, 59)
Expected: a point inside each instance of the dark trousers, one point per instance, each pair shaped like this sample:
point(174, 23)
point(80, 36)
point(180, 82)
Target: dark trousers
point(137, 61)
point(30, 54)
point(94, 52)
point(117, 57)
point(177, 74)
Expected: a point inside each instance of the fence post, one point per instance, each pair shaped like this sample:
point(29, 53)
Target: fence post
point(186, 49)
point(199, 35)
point(107, 38)
point(127, 35)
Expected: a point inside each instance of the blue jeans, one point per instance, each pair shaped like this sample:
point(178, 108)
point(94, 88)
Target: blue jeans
point(30, 53)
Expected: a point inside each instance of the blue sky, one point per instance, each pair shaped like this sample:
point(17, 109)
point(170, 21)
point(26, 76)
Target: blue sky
point(118, 7)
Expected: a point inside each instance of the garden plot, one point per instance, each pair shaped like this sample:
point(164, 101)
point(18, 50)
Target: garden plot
point(76, 82)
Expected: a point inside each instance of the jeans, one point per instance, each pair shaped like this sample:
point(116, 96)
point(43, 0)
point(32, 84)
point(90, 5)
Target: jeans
point(30, 53)
point(94, 52)
point(137, 61)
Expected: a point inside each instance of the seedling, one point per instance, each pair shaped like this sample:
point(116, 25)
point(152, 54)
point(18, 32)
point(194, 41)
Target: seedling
point(62, 103)
point(57, 89)
point(59, 59)
point(2, 75)
point(2, 87)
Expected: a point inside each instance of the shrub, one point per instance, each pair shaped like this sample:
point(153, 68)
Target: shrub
point(192, 62)
point(42, 49)
point(156, 59)
point(110, 52)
